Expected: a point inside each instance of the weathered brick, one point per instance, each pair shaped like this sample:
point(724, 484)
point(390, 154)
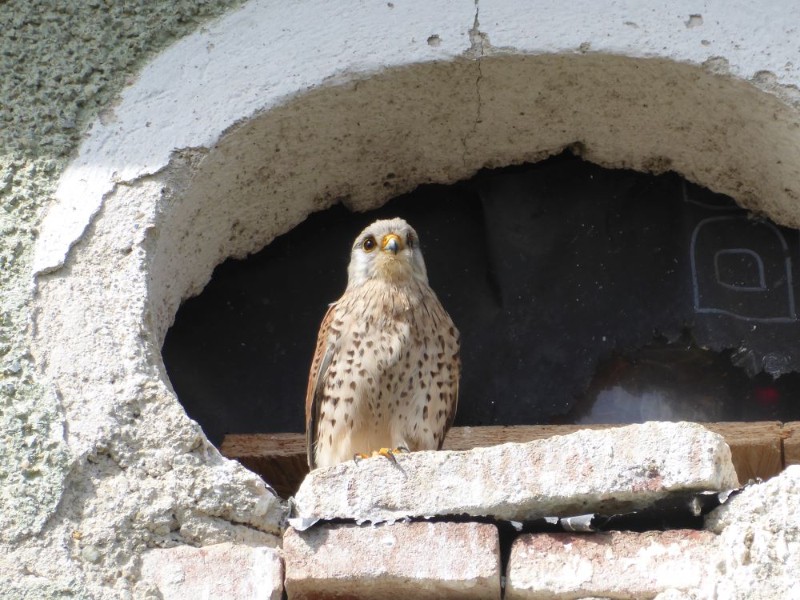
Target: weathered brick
point(218, 571)
point(616, 564)
point(615, 470)
point(401, 560)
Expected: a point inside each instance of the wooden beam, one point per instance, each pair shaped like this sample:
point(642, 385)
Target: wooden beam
point(791, 443)
point(280, 458)
point(756, 448)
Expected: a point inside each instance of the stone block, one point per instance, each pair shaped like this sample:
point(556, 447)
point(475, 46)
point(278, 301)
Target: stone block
point(400, 560)
point(218, 571)
point(759, 530)
point(608, 471)
point(615, 564)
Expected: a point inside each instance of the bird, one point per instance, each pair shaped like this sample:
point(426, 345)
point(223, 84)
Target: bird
point(385, 373)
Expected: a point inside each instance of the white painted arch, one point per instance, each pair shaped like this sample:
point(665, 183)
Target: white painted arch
point(236, 133)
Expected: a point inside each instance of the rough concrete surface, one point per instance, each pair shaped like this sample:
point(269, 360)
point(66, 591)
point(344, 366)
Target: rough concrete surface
point(232, 136)
point(142, 466)
point(760, 530)
point(609, 471)
point(61, 64)
point(673, 594)
point(614, 565)
point(218, 571)
point(403, 560)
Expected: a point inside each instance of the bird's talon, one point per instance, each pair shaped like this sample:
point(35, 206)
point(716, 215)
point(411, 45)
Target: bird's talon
point(388, 454)
point(358, 456)
point(385, 452)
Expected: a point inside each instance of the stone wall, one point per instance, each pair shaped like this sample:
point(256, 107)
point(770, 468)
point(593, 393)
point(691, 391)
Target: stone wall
point(593, 514)
point(130, 169)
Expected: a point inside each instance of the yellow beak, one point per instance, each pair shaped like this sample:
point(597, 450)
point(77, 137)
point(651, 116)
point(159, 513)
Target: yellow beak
point(392, 243)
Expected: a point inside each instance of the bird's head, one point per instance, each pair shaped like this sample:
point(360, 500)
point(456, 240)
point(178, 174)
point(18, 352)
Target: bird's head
point(387, 250)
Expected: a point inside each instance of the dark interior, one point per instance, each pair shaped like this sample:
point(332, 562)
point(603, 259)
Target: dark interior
point(583, 295)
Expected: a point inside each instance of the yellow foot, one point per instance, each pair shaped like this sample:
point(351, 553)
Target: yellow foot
point(385, 452)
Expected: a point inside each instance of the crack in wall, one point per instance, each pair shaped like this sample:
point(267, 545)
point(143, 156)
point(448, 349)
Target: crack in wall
point(479, 42)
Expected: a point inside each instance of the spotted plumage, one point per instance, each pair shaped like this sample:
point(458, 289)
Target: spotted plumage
point(386, 368)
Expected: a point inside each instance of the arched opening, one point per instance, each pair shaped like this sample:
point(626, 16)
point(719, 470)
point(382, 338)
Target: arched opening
point(155, 238)
point(583, 294)
point(362, 143)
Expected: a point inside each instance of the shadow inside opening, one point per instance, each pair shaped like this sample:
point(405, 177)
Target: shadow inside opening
point(583, 295)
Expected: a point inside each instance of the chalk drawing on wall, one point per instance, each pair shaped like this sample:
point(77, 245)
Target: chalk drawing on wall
point(742, 268)
point(751, 275)
point(715, 203)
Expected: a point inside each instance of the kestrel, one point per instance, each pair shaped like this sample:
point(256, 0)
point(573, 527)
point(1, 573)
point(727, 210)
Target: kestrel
point(386, 367)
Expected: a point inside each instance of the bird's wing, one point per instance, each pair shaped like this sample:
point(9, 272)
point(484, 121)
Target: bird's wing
point(319, 365)
point(451, 416)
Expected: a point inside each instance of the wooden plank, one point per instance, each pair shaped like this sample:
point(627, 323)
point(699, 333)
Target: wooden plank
point(756, 448)
point(791, 443)
point(279, 458)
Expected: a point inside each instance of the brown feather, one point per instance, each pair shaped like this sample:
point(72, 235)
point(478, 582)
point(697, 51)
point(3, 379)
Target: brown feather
point(451, 416)
point(319, 364)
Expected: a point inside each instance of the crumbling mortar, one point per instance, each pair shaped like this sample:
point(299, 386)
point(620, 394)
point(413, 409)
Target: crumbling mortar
point(768, 82)
point(179, 158)
point(63, 261)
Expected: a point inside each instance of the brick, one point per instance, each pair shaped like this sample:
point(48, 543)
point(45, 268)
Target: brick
point(613, 470)
point(218, 571)
point(615, 564)
point(401, 560)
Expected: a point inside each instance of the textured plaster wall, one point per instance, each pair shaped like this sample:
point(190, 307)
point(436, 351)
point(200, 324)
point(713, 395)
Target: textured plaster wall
point(233, 135)
point(60, 64)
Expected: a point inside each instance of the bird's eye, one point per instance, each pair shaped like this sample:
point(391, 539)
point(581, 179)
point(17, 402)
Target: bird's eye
point(369, 244)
